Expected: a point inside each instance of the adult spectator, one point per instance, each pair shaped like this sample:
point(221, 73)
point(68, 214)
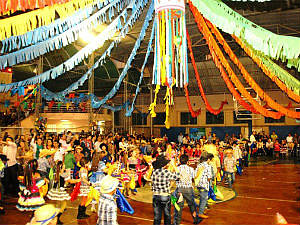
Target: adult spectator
point(270, 147)
point(180, 138)
point(11, 184)
point(274, 136)
point(290, 141)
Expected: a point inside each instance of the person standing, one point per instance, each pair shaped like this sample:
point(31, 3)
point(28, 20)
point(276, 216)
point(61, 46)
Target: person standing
point(204, 171)
point(161, 178)
point(11, 183)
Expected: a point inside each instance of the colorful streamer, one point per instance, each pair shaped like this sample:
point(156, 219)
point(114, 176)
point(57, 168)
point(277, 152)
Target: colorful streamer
point(20, 24)
point(133, 18)
point(188, 101)
point(282, 78)
point(60, 26)
point(217, 53)
point(208, 106)
point(229, 21)
point(262, 94)
point(60, 41)
point(97, 104)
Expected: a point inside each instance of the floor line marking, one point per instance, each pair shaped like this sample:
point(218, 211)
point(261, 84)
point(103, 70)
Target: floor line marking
point(268, 199)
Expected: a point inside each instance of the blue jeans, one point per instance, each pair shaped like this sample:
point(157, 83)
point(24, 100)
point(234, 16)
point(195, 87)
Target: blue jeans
point(203, 199)
point(188, 195)
point(161, 204)
point(231, 178)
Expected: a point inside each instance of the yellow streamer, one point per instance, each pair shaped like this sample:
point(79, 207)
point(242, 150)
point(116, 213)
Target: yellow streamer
point(153, 104)
point(20, 24)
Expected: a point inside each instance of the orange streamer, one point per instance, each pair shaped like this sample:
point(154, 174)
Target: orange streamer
point(266, 70)
point(188, 101)
point(213, 45)
point(263, 95)
point(208, 106)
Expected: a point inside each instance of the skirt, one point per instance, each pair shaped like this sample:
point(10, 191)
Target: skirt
point(58, 194)
point(84, 190)
point(30, 203)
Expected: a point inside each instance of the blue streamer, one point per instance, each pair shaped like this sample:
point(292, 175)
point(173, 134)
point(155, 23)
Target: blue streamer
point(129, 112)
point(59, 41)
point(113, 91)
point(134, 16)
point(84, 52)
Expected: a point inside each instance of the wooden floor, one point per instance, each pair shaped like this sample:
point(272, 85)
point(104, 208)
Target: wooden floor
point(262, 191)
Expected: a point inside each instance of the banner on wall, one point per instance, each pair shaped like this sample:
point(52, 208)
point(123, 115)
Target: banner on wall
point(197, 133)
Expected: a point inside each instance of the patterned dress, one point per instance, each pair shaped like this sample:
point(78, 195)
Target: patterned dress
point(30, 198)
point(58, 192)
point(84, 188)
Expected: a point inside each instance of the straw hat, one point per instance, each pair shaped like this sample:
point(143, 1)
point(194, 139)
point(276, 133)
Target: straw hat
point(44, 215)
point(46, 152)
point(108, 184)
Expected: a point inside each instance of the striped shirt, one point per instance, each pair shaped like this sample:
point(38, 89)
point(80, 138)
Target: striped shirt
point(187, 173)
point(107, 210)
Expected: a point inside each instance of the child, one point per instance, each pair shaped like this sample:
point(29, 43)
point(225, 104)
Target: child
point(58, 191)
point(30, 198)
point(185, 188)
point(229, 166)
point(84, 188)
point(277, 147)
point(107, 212)
point(203, 171)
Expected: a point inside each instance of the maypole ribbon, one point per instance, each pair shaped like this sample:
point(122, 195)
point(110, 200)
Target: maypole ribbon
point(282, 78)
point(208, 106)
point(262, 94)
point(170, 54)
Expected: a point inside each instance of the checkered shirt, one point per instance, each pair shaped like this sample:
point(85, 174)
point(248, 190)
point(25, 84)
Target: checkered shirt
point(161, 180)
point(204, 183)
point(107, 210)
point(187, 173)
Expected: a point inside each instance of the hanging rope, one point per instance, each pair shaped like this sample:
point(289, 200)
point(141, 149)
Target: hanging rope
point(208, 106)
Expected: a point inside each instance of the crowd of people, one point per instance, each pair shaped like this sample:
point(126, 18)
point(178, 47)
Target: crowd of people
point(40, 166)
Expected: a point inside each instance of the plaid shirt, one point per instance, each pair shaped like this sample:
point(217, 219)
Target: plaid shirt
point(161, 180)
point(107, 210)
point(187, 173)
point(204, 183)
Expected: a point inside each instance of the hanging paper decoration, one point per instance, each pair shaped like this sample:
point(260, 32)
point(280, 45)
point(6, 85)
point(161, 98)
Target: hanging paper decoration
point(208, 106)
point(6, 103)
point(170, 54)
point(285, 81)
point(40, 124)
point(188, 101)
point(51, 104)
point(286, 48)
point(59, 105)
point(25, 105)
point(20, 24)
point(16, 104)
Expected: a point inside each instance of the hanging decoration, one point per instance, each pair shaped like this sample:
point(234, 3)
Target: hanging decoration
point(285, 81)
point(40, 124)
point(286, 48)
point(170, 54)
point(20, 24)
point(262, 94)
point(214, 48)
point(57, 42)
point(149, 48)
point(208, 106)
point(188, 101)
point(60, 26)
point(113, 91)
point(137, 9)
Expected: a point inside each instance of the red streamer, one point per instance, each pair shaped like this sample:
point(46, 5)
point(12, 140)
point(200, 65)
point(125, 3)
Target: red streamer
point(208, 106)
point(193, 113)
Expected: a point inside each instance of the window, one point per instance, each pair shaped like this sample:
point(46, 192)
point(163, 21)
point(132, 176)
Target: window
point(297, 110)
point(186, 118)
point(117, 118)
point(138, 119)
point(241, 117)
point(159, 119)
point(214, 119)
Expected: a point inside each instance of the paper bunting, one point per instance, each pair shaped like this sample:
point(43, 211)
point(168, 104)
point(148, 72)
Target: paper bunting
point(106, 34)
point(273, 45)
point(6, 103)
point(43, 33)
point(20, 24)
point(97, 104)
point(149, 48)
point(69, 36)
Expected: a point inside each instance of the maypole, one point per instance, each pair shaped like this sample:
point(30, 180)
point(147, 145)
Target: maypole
point(170, 66)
